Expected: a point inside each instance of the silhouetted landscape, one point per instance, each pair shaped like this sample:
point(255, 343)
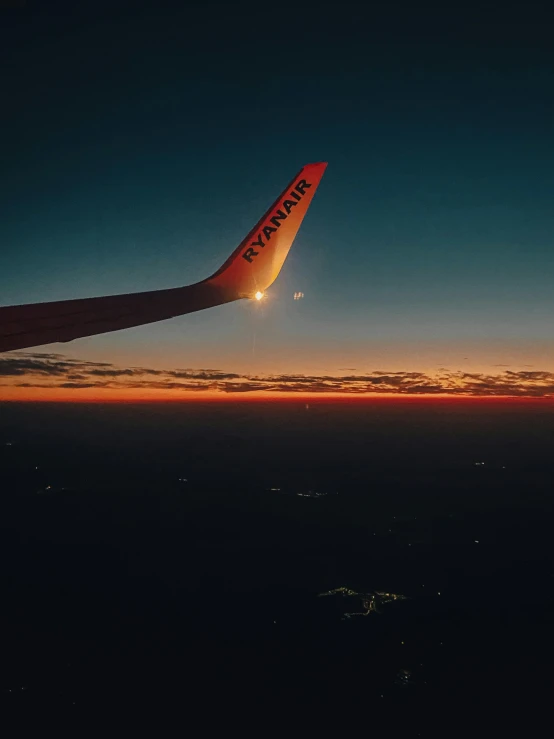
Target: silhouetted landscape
point(171, 557)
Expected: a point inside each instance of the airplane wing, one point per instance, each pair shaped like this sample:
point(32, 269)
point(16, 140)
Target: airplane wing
point(251, 268)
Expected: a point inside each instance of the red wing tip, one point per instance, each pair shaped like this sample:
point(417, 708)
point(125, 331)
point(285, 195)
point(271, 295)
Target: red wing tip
point(316, 164)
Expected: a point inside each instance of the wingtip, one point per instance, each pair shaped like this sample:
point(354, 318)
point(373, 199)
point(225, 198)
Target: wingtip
point(244, 277)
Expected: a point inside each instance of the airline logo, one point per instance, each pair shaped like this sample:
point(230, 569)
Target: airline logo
point(274, 222)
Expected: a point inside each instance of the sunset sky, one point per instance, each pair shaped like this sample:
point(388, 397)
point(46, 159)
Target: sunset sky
point(141, 147)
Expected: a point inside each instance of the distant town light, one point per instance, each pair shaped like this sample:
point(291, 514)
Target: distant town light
point(259, 295)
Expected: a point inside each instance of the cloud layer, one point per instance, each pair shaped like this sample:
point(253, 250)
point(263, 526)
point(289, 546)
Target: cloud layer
point(55, 371)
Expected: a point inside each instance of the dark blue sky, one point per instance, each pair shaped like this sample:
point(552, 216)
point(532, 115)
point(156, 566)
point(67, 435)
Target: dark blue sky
point(140, 146)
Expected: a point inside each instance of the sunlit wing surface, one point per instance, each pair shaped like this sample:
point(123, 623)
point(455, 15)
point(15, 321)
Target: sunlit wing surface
point(251, 269)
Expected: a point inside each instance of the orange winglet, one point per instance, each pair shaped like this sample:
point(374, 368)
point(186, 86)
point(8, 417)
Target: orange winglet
point(256, 262)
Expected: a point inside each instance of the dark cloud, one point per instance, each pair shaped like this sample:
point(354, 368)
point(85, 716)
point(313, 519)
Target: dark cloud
point(36, 355)
point(81, 384)
point(203, 375)
point(525, 375)
point(42, 370)
point(425, 389)
point(244, 387)
point(145, 371)
point(386, 380)
point(112, 372)
point(165, 385)
point(28, 366)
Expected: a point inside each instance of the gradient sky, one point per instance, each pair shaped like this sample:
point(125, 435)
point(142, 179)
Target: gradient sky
point(141, 145)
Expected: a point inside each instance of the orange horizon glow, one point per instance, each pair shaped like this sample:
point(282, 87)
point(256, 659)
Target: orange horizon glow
point(44, 377)
point(95, 395)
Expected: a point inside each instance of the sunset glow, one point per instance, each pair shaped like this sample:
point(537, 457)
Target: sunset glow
point(28, 376)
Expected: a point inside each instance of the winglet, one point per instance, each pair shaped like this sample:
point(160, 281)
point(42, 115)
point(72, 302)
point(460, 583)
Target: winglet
point(256, 262)
point(251, 268)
